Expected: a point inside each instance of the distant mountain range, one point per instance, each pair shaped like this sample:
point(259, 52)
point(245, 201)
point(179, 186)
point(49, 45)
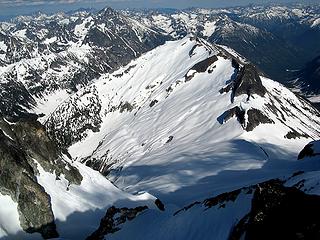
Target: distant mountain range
point(277, 39)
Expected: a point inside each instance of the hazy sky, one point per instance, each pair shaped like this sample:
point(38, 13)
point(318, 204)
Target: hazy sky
point(17, 7)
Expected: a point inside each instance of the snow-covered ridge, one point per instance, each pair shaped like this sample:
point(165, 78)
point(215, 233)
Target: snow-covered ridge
point(168, 123)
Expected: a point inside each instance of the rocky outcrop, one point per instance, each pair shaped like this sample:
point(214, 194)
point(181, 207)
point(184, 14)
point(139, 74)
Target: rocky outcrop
point(222, 199)
point(279, 212)
point(70, 122)
point(159, 204)
point(233, 112)
point(201, 67)
point(31, 137)
point(248, 82)
point(293, 134)
point(125, 107)
point(113, 219)
point(153, 102)
point(19, 181)
point(254, 118)
point(249, 119)
point(23, 145)
point(312, 149)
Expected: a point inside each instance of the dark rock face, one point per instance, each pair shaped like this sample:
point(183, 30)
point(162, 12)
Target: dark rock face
point(159, 204)
point(33, 137)
point(71, 120)
point(18, 180)
point(202, 66)
point(294, 134)
point(309, 77)
point(233, 112)
point(21, 143)
point(280, 212)
point(249, 119)
point(153, 103)
point(170, 138)
point(34, 208)
point(308, 151)
point(248, 82)
point(125, 107)
point(255, 118)
point(222, 199)
point(113, 219)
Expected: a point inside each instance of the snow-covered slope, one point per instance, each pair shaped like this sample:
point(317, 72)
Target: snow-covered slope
point(181, 117)
point(43, 191)
point(190, 123)
point(184, 123)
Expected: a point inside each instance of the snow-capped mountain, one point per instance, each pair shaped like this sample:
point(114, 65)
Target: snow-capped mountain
point(185, 105)
point(44, 56)
point(187, 140)
point(254, 31)
point(198, 124)
point(63, 52)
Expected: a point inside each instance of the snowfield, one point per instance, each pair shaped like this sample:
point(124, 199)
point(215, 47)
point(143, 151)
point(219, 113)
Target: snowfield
point(166, 131)
point(171, 143)
point(78, 209)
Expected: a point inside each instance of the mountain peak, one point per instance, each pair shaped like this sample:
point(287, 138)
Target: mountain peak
point(107, 11)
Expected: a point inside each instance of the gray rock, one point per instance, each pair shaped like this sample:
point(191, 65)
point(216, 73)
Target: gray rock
point(248, 82)
point(23, 143)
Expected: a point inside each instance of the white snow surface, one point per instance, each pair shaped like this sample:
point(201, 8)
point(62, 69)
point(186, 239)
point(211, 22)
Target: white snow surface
point(177, 149)
point(209, 28)
point(78, 209)
point(9, 217)
point(316, 22)
point(173, 146)
point(315, 98)
point(48, 104)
